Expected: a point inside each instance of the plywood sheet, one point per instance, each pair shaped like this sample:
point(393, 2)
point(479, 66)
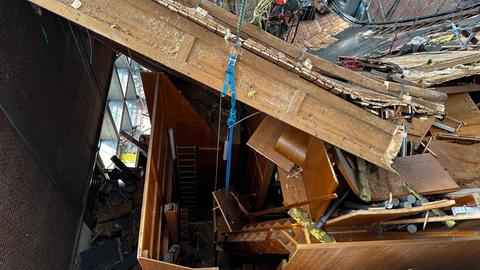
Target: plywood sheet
point(264, 138)
point(463, 108)
point(462, 162)
point(370, 217)
point(293, 189)
point(319, 177)
point(149, 264)
point(444, 253)
point(229, 208)
point(423, 172)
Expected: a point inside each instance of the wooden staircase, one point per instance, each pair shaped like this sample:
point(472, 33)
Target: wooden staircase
point(187, 177)
point(270, 237)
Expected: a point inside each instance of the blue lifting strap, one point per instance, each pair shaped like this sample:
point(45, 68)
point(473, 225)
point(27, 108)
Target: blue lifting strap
point(230, 80)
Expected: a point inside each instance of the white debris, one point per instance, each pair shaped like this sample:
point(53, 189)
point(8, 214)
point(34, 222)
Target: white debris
point(76, 4)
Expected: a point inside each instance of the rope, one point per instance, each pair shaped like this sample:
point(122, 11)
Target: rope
point(230, 81)
point(241, 15)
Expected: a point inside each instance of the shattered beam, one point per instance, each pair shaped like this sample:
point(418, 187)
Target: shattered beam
point(191, 48)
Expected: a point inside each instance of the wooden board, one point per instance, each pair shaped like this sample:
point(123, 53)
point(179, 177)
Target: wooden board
point(319, 177)
point(370, 217)
point(462, 162)
point(149, 264)
point(347, 172)
point(293, 144)
point(423, 172)
point(445, 253)
point(463, 108)
point(163, 36)
point(259, 169)
point(429, 61)
point(419, 128)
point(293, 189)
point(230, 209)
point(264, 138)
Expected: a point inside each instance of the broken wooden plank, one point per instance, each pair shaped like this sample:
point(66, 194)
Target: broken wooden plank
point(423, 172)
point(293, 189)
point(229, 209)
point(141, 147)
point(457, 89)
point(462, 108)
point(462, 162)
point(318, 176)
point(264, 138)
point(370, 217)
point(347, 172)
point(155, 31)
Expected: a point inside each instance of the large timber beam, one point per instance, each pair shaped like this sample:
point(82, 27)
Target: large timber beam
point(187, 48)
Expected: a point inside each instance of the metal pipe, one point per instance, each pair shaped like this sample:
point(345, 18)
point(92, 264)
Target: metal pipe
point(323, 220)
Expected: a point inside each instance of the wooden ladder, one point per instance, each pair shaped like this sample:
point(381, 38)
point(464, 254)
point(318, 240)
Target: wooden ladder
point(187, 177)
point(271, 237)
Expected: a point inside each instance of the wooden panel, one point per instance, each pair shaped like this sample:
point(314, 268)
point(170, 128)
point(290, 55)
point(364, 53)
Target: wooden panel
point(293, 189)
point(229, 208)
point(347, 172)
point(419, 254)
point(423, 172)
point(157, 32)
point(462, 162)
point(259, 169)
point(318, 176)
point(172, 219)
point(293, 144)
point(462, 107)
point(149, 264)
point(264, 138)
point(370, 217)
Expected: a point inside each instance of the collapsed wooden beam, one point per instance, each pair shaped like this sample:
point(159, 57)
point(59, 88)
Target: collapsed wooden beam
point(184, 47)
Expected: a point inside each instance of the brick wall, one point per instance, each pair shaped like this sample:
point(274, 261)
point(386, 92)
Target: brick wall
point(42, 71)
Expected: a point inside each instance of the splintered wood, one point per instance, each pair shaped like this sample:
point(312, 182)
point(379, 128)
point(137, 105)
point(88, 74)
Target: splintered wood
point(423, 172)
point(161, 30)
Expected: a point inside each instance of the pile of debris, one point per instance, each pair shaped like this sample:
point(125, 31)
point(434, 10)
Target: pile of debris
point(116, 207)
point(431, 191)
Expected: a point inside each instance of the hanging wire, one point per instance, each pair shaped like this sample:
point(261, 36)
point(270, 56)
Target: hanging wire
point(218, 140)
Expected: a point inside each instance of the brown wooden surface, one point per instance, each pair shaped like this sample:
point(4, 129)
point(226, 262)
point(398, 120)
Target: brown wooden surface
point(401, 254)
point(293, 189)
point(264, 138)
point(347, 171)
point(229, 208)
point(259, 169)
point(423, 172)
point(369, 217)
point(456, 89)
point(462, 162)
point(318, 176)
point(293, 144)
point(153, 30)
point(149, 264)
point(172, 220)
point(463, 108)
point(150, 229)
